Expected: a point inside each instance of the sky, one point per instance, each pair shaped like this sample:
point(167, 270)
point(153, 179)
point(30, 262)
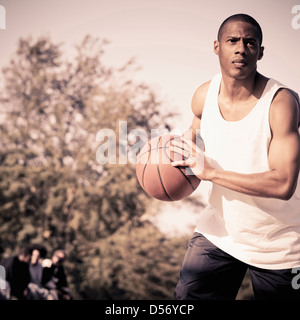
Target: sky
point(171, 40)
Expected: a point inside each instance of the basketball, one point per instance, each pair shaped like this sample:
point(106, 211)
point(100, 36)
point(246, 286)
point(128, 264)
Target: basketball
point(158, 177)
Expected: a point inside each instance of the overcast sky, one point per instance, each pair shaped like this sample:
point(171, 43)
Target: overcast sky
point(172, 40)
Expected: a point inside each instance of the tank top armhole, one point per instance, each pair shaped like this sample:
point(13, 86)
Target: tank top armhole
point(212, 92)
point(276, 87)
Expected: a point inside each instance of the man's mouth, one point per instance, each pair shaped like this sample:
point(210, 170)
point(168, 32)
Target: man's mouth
point(239, 62)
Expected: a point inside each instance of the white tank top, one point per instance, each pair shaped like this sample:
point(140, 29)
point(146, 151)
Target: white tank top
point(262, 232)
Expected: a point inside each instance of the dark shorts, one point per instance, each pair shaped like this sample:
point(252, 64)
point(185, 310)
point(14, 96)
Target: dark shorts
point(208, 273)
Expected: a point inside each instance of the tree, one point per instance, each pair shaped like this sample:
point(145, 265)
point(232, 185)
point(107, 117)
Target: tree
point(138, 263)
point(52, 189)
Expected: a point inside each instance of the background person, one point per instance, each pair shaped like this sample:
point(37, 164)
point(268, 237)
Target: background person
point(38, 276)
point(58, 284)
point(17, 275)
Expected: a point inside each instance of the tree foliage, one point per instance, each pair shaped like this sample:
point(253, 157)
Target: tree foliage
point(137, 262)
point(52, 189)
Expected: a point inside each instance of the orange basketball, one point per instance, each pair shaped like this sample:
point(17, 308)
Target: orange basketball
point(158, 177)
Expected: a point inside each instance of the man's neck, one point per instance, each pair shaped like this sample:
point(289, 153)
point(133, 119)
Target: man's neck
point(237, 90)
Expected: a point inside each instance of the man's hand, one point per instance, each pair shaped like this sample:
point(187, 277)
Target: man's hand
point(194, 158)
point(47, 263)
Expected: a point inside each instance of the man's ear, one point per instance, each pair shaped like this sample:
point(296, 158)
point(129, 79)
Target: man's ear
point(261, 52)
point(216, 47)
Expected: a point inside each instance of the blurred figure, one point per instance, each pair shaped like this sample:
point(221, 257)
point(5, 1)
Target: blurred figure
point(38, 278)
point(57, 285)
point(17, 275)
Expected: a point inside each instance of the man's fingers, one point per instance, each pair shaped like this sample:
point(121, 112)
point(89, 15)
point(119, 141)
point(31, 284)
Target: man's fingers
point(181, 144)
point(193, 156)
point(179, 152)
point(194, 149)
point(183, 163)
point(188, 145)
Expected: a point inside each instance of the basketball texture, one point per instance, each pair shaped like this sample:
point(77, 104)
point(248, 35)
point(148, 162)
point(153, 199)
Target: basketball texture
point(158, 177)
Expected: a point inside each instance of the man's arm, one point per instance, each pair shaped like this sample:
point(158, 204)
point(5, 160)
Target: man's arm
point(198, 102)
point(284, 157)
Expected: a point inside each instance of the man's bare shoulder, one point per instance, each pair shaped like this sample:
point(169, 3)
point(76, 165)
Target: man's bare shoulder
point(285, 109)
point(198, 100)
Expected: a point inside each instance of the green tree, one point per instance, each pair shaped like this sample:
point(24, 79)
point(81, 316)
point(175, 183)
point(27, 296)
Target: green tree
point(137, 262)
point(52, 189)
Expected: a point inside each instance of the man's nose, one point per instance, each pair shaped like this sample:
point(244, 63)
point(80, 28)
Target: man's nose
point(241, 47)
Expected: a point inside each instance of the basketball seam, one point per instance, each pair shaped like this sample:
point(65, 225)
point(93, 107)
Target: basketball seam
point(158, 170)
point(144, 169)
point(141, 154)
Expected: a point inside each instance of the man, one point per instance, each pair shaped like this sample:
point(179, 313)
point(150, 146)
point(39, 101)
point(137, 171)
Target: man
point(38, 276)
point(57, 283)
point(17, 274)
point(249, 125)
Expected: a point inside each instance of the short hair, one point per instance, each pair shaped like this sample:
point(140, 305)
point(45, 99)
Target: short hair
point(59, 251)
point(243, 18)
point(25, 251)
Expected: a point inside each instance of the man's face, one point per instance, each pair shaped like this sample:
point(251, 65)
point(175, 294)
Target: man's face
point(25, 258)
point(238, 49)
point(35, 256)
point(58, 258)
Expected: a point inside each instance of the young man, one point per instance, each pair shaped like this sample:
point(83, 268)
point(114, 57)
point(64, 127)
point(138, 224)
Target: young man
point(57, 280)
point(38, 276)
point(17, 275)
point(249, 125)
